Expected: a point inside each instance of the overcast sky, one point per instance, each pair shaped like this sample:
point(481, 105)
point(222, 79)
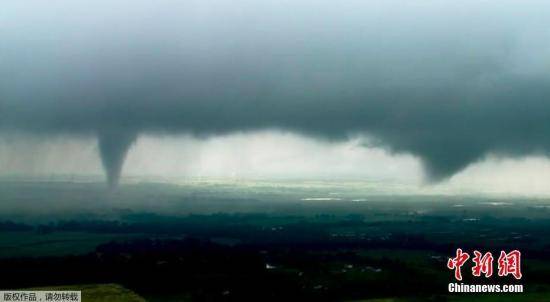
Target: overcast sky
point(417, 91)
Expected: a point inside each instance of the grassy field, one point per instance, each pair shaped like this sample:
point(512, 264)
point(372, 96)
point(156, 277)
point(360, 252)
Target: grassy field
point(101, 292)
point(117, 293)
point(212, 242)
point(525, 297)
point(33, 244)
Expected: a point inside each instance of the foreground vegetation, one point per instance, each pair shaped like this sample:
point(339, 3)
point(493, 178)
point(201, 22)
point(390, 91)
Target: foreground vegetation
point(271, 246)
point(100, 292)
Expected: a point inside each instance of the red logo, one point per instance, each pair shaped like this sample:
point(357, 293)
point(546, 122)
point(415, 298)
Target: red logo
point(508, 264)
point(457, 263)
point(482, 264)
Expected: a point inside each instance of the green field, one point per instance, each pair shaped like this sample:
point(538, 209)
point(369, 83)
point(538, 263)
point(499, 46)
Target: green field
point(525, 297)
point(34, 244)
point(241, 242)
point(100, 292)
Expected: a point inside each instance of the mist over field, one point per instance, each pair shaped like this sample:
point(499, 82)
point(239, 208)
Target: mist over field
point(448, 84)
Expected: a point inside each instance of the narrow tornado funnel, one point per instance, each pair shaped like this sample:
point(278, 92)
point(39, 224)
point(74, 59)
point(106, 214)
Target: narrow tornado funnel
point(113, 146)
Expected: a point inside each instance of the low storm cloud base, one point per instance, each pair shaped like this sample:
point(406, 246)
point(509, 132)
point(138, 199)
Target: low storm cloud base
point(447, 82)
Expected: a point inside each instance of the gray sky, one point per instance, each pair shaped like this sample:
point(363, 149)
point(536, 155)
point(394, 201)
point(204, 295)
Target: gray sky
point(435, 84)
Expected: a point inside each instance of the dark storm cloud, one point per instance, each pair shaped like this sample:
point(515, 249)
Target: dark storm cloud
point(448, 82)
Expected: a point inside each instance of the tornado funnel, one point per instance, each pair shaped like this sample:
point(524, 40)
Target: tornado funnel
point(113, 146)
